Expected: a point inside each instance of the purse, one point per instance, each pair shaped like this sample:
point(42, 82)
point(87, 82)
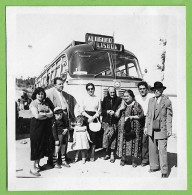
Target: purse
point(129, 133)
point(95, 126)
point(156, 124)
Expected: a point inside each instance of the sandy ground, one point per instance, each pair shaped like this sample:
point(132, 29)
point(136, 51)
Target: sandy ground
point(98, 168)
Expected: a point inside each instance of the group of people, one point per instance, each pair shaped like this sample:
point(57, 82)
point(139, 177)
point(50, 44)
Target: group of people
point(135, 127)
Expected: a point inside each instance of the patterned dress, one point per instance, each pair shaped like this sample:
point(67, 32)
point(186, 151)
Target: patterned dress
point(133, 146)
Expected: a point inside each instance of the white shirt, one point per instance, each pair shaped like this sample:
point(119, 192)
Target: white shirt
point(144, 101)
point(63, 101)
point(91, 103)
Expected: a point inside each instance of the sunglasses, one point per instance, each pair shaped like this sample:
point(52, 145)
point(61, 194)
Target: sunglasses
point(89, 89)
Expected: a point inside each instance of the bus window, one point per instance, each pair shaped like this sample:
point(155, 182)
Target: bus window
point(124, 66)
point(58, 71)
point(90, 64)
point(132, 70)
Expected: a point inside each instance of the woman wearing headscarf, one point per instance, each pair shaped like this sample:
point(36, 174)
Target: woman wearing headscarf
point(109, 123)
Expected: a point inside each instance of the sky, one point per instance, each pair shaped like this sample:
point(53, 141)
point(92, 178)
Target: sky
point(36, 35)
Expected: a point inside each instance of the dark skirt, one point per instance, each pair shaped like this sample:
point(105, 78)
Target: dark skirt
point(40, 135)
point(94, 136)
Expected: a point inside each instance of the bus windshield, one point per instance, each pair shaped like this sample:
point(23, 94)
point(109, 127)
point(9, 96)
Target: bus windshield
point(104, 64)
point(90, 63)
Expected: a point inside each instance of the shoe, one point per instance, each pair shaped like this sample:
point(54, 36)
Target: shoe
point(153, 170)
point(92, 159)
point(57, 166)
point(75, 160)
point(112, 160)
point(164, 175)
point(37, 174)
point(144, 164)
point(83, 161)
point(134, 165)
point(122, 162)
point(106, 157)
point(65, 164)
point(68, 159)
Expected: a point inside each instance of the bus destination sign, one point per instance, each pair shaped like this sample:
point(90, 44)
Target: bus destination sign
point(108, 46)
point(103, 42)
point(98, 38)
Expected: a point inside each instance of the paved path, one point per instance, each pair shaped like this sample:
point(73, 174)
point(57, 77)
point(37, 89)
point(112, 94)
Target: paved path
point(98, 168)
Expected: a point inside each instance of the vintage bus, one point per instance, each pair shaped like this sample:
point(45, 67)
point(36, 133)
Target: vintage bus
point(98, 60)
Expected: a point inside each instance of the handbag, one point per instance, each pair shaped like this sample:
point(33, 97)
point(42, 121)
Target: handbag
point(156, 124)
point(95, 126)
point(129, 133)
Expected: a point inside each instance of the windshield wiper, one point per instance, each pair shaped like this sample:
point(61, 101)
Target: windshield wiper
point(96, 75)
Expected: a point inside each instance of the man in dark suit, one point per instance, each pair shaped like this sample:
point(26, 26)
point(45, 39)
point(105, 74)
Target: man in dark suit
point(158, 126)
point(61, 99)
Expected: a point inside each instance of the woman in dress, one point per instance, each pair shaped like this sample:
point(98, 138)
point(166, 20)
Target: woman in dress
point(91, 109)
point(39, 129)
point(129, 129)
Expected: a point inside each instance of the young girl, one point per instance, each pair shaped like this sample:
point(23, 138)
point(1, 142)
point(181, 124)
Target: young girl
point(80, 139)
point(59, 130)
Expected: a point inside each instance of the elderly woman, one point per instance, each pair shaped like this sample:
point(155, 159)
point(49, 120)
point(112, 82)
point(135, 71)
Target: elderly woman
point(39, 129)
point(129, 129)
point(91, 109)
point(109, 106)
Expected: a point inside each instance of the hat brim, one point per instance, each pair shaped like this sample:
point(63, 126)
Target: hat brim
point(153, 88)
point(58, 112)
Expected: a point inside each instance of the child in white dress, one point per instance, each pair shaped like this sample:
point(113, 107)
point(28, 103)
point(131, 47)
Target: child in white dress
point(80, 139)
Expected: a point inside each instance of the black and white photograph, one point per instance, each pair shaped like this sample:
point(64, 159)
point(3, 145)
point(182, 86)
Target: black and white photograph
point(96, 97)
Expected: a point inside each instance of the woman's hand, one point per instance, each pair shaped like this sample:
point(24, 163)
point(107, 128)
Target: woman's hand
point(127, 118)
point(90, 119)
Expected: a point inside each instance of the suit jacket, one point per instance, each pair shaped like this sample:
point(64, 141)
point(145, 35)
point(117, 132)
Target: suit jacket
point(53, 96)
point(164, 114)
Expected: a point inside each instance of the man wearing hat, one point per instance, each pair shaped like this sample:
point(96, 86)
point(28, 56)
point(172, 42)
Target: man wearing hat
point(158, 127)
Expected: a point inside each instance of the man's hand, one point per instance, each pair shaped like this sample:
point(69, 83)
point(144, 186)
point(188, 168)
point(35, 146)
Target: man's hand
point(145, 131)
point(169, 133)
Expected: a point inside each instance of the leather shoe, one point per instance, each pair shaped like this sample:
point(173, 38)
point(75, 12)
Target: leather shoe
point(153, 170)
point(134, 165)
point(37, 174)
point(144, 164)
point(164, 175)
point(65, 164)
point(57, 166)
point(106, 157)
point(122, 162)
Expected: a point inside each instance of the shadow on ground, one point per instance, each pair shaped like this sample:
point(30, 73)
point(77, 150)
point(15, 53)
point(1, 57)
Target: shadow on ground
point(172, 160)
